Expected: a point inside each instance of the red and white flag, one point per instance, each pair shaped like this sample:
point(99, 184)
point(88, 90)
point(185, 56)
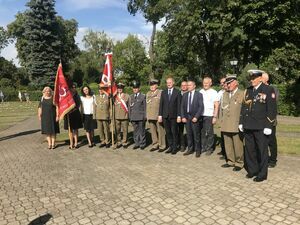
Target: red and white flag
point(62, 98)
point(107, 79)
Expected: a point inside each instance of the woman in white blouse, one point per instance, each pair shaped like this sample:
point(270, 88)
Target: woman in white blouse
point(89, 124)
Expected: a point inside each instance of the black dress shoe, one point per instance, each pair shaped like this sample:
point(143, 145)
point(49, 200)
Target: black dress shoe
point(90, 146)
point(102, 145)
point(161, 150)
point(153, 149)
point(182, 148)
point(226, 165)
point(237, 168)
point(136, 147)
point(258, 179)
point(125, 146)
point(169, 151)
point(189, 152)
point(107, 145)
point(198, 154)
point(174, 152)
point(219, 153)
point(249, 176)
point(142, 148)
point(119, 145)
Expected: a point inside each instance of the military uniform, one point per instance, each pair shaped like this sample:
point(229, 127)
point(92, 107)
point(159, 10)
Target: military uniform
point(158, 135)
point(121, 117)
point(230, 110)
point(137, 116)
point(101, 114)
point(258, 115)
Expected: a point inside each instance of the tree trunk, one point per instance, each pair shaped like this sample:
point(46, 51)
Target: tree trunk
point(151, 49)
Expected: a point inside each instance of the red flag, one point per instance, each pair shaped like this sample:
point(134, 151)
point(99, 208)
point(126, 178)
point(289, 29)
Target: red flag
point(107, 79)
point(62, 98)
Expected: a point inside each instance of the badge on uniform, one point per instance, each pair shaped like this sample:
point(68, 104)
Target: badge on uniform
point(273, 95)
point(262, 97)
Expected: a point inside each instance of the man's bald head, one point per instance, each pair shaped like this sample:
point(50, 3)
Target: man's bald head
point(265, 78)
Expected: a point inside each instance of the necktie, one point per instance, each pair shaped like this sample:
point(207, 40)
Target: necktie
point(169, 94)
point(189, 102)
point(135, 96)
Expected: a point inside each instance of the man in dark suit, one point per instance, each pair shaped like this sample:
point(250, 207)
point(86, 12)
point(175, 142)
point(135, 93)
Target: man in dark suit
point(258, 115)
point(169, 114)
point(191, 110)
point(137, 116)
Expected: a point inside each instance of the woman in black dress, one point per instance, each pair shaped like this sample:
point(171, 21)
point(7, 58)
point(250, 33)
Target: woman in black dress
point(48, 115)
point(74, 118)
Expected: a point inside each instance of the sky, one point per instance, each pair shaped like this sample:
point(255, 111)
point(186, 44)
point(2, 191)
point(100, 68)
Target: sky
point(110, 16)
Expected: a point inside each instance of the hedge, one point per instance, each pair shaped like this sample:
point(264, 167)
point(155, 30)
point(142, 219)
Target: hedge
point(289, 97)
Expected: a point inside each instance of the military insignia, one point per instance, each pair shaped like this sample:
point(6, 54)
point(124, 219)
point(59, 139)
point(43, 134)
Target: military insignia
point(273, 95)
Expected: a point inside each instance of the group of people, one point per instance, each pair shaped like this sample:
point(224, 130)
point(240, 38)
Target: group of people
point(180, 120)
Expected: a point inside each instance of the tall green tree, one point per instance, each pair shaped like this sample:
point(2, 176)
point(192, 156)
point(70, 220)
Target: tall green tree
point(43, 39)
point(153, 11)
point(130, 61)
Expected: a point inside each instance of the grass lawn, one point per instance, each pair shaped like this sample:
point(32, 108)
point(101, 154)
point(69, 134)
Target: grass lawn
point(14, 112)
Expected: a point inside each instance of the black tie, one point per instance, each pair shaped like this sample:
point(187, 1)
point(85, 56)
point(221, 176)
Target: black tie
point(170, 94)
point(190, 102)
point(135, 96)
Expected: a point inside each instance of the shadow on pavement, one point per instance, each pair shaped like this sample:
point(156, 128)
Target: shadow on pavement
point(19, 134)
point(41, 220)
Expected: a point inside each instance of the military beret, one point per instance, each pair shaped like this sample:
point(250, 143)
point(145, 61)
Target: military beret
point(153, 81)
point(135, 84)
point(229, 78)
point(120, 85)
point(255, 73)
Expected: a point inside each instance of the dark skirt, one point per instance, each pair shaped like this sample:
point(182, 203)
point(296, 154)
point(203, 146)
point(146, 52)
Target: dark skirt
point(75, 120)
point(89, 123)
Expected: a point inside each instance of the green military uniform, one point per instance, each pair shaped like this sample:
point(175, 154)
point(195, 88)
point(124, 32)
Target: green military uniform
point(157, 130)
point(101, 114)
point(229, 121)
point(121, 117)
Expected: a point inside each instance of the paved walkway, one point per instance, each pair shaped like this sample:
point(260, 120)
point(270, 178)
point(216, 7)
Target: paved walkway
point(94, 186)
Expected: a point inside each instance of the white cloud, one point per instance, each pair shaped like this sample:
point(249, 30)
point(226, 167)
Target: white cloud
point(91, 4)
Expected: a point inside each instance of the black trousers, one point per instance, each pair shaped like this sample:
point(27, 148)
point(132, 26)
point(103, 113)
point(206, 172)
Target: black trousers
point(193, 135)
point(207, 134)
point(171, 128)
point(273, 146)
point(182, 137)
point(139, 133)
point(256, 153)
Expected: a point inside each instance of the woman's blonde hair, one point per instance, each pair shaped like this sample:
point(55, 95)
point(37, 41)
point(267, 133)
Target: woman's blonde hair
point(47, 88)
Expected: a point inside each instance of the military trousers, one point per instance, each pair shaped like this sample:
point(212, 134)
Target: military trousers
point(158, 134)
point(122, 125)
point(256, 153)
point(234, 149)
point(139, 133)
point(103, 126)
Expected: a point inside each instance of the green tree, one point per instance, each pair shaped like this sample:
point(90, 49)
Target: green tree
point(153, 11)
point(3, 38)
point(43, 39)
point(130, 61)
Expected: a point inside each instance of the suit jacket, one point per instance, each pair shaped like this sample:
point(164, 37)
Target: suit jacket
point(197, 106)
point(230, 110)
point(170, 109)
point(137, 107)
point(259, 108)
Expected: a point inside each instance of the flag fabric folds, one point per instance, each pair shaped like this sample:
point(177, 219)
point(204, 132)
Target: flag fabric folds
point(107, 79)
point(62, 98)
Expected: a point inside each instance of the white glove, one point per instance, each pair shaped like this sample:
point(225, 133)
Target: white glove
point(241, 128)
point(267, 131)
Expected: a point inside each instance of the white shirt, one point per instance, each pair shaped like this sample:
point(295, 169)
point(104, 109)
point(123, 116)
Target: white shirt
point(87, 105)
point(220, 94)
point(233, 92)
point(210, 96)
point(192, 97)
